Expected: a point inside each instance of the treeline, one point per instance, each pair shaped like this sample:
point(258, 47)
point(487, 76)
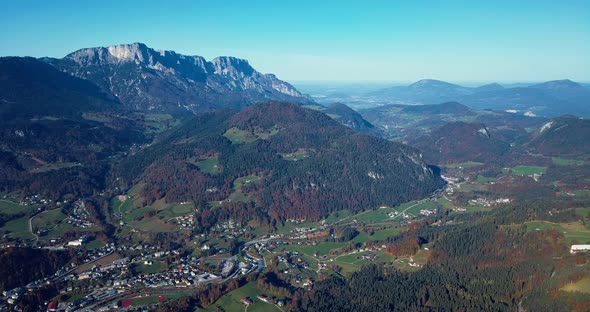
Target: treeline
point(434, 288)
point(24, 265)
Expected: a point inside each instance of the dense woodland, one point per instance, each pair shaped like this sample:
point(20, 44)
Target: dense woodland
point(23, 265)
point(334, 176)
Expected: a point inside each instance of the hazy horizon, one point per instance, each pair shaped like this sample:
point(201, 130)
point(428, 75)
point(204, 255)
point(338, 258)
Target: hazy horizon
point(309, 41)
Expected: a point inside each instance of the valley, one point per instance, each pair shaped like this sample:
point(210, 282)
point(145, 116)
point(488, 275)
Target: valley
point(135, 179)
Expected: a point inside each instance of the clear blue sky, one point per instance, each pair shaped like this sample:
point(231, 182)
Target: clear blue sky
point(298, 40)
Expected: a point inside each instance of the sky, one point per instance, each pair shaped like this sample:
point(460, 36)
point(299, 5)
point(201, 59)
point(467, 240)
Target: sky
point(456, 41)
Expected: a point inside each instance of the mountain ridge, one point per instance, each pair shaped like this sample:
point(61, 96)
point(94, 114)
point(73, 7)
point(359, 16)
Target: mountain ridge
point(551, 98)
point(161, 80)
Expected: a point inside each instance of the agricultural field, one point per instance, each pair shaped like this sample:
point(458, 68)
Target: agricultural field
point(11, 208)
point(238, 195)
point(54, 166)
point(465, 165)
point(567, 162)
point(572, 232)
point(582, 286)
point(298, 155)
point(485, 180)
point(209, 165)
point(354, 262)
point(156, 267)
point(528, 170)
point(100, 262)
point(384, 234)
point(419, 260)
point(18, 228)
point(238, 136)
point(322, 248)
point(232, 301)
point(94, 244)
point(120, 204)
point(53, 224)
point(583, 212)
point(176, 210)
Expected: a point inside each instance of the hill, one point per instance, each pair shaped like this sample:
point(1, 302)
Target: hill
point(425, 91)
point(453, 108)
point(562, 136)
point(303, 164)
point(550, 98)
point(165, 81)
point(349, 117)
point(55, 137)
point(460, 142)
point(30, 88)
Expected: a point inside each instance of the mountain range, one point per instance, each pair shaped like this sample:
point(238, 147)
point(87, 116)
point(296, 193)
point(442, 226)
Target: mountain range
point(550, 98)
point(142, 78)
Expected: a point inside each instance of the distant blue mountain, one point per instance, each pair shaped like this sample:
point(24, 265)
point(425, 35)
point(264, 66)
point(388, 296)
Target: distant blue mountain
point(550, 98)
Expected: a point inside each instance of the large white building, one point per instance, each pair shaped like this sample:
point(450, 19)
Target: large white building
point(579, 248)
point(78, 242)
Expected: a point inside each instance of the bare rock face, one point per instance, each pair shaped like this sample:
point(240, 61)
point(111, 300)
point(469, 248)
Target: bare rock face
point(165, 81)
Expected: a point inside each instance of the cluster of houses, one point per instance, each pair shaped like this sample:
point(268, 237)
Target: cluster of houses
point(13, 296)
point(482, 201)
point(427, 212)
point(80, 216)
point(279, 302)
point(185, 222)
point(229, 228)
point(36, 200)
point(395, 214)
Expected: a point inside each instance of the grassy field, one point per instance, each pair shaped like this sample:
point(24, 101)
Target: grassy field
point(583, 212)
point(48, 220)
point(528, 170)
point(384, 234)
point(567, 162)
point(413, 208)
point(469, 164)
point(176, 210)
point(100, 262)
point(482, 179)
point(421, 258)
point(354, 262)
point(53, 222)
point(322, 248)
point(238, 136)
point(572, 232)
point(12, 208)
point(382, 214)
point(122, 207)
point(237, 195)
point(232, 301)
point(209, 165)
point(582, 286)
point(296, 156)
point(156, 267)
point(94, 244)
point(18, 228)
point(54, 166)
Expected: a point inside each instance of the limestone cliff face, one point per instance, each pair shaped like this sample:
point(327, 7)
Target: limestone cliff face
point(143, 78)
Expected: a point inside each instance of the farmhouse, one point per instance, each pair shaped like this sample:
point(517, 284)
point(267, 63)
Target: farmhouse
point(579, 248)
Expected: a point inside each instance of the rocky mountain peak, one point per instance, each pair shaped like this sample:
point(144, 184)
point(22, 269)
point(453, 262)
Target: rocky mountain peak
point(162, 80)
point(232, 67)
